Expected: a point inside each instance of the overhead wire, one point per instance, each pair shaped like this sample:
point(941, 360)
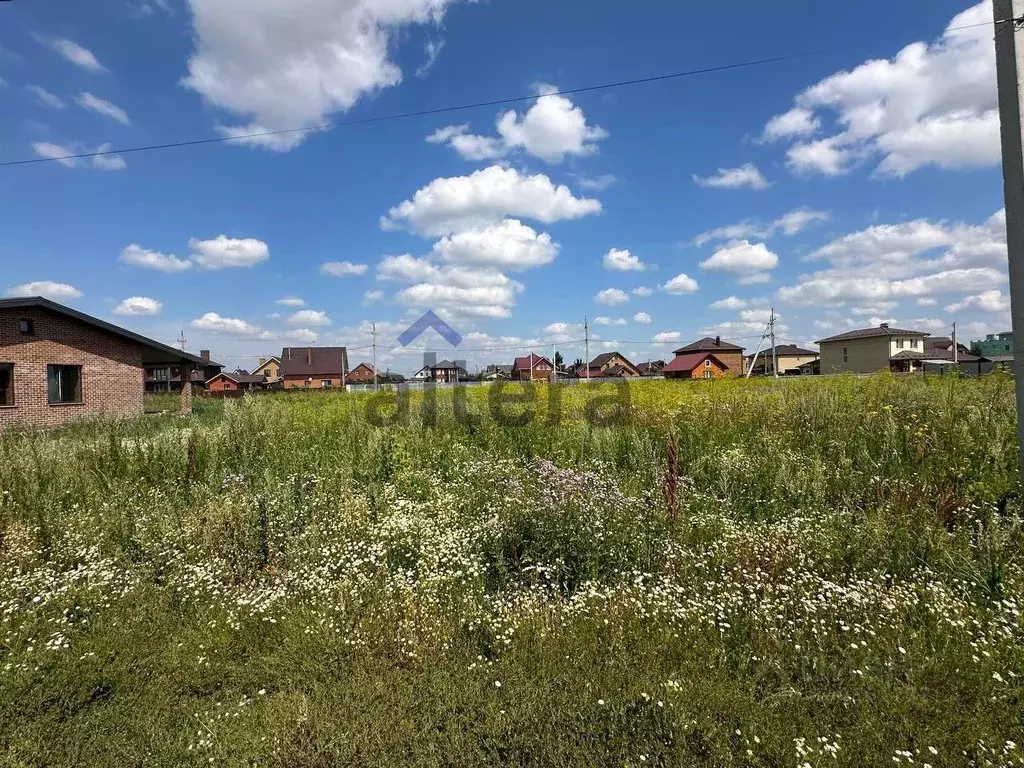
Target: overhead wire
point(415, 113)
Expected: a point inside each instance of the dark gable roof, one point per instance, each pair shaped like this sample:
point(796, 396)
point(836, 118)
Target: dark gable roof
point(523, 363)
point(163, 352)
point(947, 354)
point(240, 378)
point(867, 333)
point(707, 344)
point(792, 350)
point(604, 357)
point(313, 361)
point(689, 361)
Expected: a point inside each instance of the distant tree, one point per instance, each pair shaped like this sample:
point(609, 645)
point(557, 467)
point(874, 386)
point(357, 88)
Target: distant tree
point(559, 362)
point(578, 363)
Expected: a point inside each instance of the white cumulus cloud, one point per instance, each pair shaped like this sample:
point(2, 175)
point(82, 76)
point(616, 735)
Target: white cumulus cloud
point(750, 262)
point(214, 323)
point(484, 198)
point(611, 297)
point(931, 104)
point(731, 303)
point(46, 288)
point(342, 268)
point(138, 305)
point(642, 317)
point(623, 261)
point(280, 67)
point(987, 301)
point(138, 256)
point(508, 245)
point(551, 129)
point(747, 175)
point(681, 284)
point(309, 317)
point(223, 252)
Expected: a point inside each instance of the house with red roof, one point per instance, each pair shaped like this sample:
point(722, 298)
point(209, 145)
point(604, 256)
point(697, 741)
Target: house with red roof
point(530, 367)
point(695, 365)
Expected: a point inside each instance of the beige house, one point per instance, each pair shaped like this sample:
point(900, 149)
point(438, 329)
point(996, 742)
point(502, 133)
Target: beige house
point(869, 350)
point(269, 368)
point(789, 356)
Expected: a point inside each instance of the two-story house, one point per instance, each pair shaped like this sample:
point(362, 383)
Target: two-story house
point(530, 367)
point(868, 350)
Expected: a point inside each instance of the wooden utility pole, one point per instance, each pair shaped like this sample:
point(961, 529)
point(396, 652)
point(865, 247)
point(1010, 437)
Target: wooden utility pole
point(1007, 33)
point(775, 357)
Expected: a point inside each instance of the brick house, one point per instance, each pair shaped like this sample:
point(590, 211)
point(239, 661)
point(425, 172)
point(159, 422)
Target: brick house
point(613, 365)
point(695, 365)
point(58, 365)
point(448, 372)
point(167, 378)
point(236, 381)
point(361, 374)
point(730, 355)
point(530, 367)
point(651, 367)
point(314, 367)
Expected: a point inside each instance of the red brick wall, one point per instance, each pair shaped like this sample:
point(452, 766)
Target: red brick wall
point(359, 375)
point(299, 382)
point(222, 384)
point(112, 372)
point(733, 362)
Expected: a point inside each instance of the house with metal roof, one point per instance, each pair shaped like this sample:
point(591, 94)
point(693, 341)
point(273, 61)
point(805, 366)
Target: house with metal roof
point(58, 365)
point(729, 354)
point(313, 367)
point(869, 350)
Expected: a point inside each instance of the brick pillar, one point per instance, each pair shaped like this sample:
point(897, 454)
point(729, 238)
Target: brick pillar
point(186, 388)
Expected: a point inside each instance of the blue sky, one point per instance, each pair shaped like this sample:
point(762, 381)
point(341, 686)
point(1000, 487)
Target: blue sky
point(856, 185)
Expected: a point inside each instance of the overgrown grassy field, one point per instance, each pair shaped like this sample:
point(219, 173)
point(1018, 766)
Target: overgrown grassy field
point(278, 581)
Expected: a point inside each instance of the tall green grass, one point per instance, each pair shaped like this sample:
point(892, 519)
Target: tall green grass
point(279, 580)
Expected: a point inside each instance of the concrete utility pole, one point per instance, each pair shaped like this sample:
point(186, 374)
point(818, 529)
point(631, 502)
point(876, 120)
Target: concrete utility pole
point(956, 352)
point(1005, 15)
point(753, 360)
point(586, 347)
point(554, 368)
point(374, 327)
point(775, 357)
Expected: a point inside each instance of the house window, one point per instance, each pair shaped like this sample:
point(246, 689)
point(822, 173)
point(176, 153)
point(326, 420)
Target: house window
point(325, 384)
point(26, 327)
point(160, 374)
point(6, 384)
point(707, 374)
point(913, 343)
point(707, 363)
point(899, 343)
point(64, 384)
point(846, 356)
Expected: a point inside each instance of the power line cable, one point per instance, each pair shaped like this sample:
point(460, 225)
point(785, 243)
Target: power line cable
point(417, 113)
